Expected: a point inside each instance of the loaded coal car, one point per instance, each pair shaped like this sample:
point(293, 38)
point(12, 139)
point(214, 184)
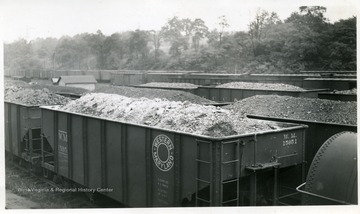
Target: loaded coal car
point(230, 92)
point(323, 117)
point(23, 122)
point(233, 91)
point(22, 131)
point(331, 83)
point(345, 95)
point(140, 165)
point(128, 77)
point(292, 79)
point(208, 79)
point(331, 167)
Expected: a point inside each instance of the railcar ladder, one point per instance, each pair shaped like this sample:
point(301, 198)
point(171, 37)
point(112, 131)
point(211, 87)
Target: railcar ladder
point(213, 162)
point(32, 145)
point(232, 199)
point(204, 165)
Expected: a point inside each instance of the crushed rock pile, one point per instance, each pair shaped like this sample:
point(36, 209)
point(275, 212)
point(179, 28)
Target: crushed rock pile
point(320, 110)
point(151, 93)
point(179, 116)
point(257, 85)
point(171, 85)
point(34, 97)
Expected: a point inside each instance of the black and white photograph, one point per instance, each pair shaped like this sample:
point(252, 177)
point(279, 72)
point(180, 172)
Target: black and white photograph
point(160, 106)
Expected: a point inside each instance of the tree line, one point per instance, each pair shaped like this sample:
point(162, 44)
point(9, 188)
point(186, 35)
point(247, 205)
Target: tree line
point(304, 41)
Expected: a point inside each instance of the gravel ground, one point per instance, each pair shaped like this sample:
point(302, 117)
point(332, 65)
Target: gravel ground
point(24, 191)
point(33, 97)
point(320, 110)
point(171, 95)
point(14, 201)
point(256, 85)
point(180, 116)
point(171, 85)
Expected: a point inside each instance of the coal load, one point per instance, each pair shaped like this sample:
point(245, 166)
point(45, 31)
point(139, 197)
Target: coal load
point(61, 89)
point(174, 115)
point(53, 88)
point(33, 97)
point(263, 86)
point(152, 93)
point(171, 85)
point(300, 108)
point(352, 91)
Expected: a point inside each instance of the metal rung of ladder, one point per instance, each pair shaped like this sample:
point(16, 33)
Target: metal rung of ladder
point(202, 161)
point(204, 200)
point(228, 201)
point(198, 179)
point(34, 139)
point(288, 195)
point(232, 161)
point(230, 181)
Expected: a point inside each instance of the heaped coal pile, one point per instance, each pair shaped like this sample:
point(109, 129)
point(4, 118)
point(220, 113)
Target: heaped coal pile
point(352, 91)
point(11, 82)
point(257, 85)
point(319, 110)
point(171, 85)
point(179, 116)
point(28, 96)
point(52, 88)
point(150, 93)
point(61, 89)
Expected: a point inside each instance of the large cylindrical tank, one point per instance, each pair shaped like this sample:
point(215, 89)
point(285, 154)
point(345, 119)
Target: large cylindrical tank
point(332, 177)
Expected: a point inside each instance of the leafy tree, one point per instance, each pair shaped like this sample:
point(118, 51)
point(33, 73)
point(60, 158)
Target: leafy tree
point(96, 44)
point(20, 59)
point(156, 38)
point(184, 33)
point(258, 28)
point(137, 44)
point(199, 31)
point(342, 46)
point(305, 40)
point(223, 24)
point(175, 32)
point(115, 50)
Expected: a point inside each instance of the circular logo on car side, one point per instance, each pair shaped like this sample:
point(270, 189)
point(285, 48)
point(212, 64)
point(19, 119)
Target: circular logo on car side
point(163, 152)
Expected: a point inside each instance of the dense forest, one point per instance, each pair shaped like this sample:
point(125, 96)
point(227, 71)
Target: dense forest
point(304, 41)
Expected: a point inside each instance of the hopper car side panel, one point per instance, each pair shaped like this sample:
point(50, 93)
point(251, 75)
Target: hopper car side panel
point(316, 134)
point(16, 129)
point(8, 136)
point(146, 167)
point(332, 84)
point(340, 97)
point(22, 128)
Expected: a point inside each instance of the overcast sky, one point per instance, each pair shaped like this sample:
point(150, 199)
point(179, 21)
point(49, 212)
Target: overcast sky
point(30, 19)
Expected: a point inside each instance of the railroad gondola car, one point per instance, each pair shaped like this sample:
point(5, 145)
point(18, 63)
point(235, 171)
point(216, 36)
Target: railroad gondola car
point(151, 167)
